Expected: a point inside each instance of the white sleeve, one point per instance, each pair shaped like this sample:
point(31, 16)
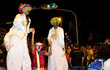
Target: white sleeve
point(62, 37)
point(17, 20)
point(49, 35)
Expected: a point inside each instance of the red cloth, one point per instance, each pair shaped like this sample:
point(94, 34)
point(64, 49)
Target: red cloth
point(67, 57)
point(41, 58)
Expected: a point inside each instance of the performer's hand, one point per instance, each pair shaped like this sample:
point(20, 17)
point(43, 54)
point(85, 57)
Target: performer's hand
point(10, 44)
point(32, 30)
point(29, 20)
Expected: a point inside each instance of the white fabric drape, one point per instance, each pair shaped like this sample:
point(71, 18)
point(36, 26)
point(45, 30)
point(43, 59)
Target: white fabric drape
point(18, 57)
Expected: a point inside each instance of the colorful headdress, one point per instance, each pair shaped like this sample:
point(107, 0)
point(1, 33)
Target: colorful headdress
point(24, 8)
point(55, 20)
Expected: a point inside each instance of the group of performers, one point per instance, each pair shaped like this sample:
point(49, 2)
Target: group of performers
point(15, 42)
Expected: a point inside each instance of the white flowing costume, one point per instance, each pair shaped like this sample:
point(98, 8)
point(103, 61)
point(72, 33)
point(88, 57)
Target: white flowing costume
point(57, 61)
point(107, 64)
point(17, 57)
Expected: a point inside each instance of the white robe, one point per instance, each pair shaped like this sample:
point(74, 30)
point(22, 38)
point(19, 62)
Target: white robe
point(57, 61)
point(17, 57)
point(107, 65)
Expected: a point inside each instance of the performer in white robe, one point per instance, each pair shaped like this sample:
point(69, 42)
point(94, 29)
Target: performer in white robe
point(15, 41)
point(57, 61)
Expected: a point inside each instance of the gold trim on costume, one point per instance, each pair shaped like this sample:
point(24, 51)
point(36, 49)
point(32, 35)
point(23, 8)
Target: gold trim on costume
point(55, 35)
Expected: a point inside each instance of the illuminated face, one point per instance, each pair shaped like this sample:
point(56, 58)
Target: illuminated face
point(38, 46)
point(27, 12)
point(55, 25)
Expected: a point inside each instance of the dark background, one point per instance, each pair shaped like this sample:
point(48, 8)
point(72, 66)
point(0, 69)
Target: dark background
point(92, 15)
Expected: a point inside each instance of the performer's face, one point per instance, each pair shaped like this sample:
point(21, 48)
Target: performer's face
point(38, 46)
point(27, 12)
point(55, 25)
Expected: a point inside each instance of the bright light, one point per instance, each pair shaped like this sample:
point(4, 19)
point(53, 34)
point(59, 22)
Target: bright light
point(56, 6)
point(48, 6)
point(59, 19)
point(53, 5)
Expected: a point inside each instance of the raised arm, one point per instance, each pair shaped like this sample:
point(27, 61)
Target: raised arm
point(33, 33)
point(32, 40)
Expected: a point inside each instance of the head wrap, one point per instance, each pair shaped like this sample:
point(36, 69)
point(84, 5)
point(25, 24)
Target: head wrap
point(24, 8)
point(55, 20)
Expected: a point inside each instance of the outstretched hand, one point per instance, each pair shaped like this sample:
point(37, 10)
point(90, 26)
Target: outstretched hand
point(32, 30)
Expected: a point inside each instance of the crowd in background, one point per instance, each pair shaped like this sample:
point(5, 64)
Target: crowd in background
point(77, 56)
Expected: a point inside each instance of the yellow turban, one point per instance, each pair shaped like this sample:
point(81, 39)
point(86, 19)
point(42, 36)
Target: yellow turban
point(55, 20)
